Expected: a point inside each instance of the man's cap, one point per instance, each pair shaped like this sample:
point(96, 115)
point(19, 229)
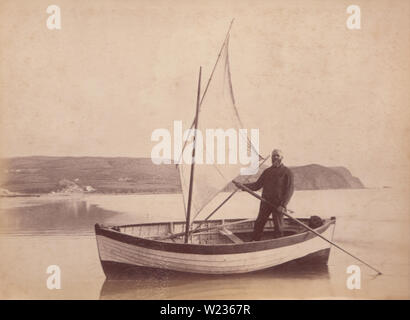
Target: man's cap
point(278, 152)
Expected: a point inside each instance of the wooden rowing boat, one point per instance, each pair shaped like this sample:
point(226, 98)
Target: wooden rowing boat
point(212, 246)
point(225, 248)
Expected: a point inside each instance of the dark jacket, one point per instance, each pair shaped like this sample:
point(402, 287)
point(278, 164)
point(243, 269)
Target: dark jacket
point(277, 183)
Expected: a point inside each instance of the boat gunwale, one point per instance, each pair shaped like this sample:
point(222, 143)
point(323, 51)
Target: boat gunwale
point(223, 248)
point(183, 222)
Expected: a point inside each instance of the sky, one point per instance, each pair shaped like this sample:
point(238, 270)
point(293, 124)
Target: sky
point(118, 70)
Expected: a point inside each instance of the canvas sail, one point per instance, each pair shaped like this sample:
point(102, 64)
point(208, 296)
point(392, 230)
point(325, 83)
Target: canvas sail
point(217, 112)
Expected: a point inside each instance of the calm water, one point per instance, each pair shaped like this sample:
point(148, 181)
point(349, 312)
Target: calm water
point(38, 232)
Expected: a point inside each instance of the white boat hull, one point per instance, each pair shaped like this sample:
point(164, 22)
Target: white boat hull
point(114, 251)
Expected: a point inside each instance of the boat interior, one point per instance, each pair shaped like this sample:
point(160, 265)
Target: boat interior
point(212, 232)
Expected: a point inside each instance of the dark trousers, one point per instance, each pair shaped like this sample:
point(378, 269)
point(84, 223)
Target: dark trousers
point(264, 212)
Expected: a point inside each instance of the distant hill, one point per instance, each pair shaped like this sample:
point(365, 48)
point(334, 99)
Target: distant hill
point(42, 174)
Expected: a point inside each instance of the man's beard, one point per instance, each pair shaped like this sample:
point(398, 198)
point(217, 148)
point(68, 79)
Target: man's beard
point(276, 163)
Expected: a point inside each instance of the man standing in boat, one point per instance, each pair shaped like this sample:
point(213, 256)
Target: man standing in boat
point(277, 184)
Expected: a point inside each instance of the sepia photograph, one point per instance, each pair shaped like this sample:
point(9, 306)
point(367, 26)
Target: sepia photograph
point(204, 150)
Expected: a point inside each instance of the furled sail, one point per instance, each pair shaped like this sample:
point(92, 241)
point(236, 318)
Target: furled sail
point(217, 162)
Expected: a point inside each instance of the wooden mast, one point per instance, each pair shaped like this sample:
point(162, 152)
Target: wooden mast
point(191, 178)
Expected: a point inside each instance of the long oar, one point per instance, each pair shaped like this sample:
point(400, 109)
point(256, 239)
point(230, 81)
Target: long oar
point(303, 225)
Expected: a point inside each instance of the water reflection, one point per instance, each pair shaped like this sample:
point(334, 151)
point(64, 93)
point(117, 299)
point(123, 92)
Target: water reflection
point(60, 217)
point(165, 285)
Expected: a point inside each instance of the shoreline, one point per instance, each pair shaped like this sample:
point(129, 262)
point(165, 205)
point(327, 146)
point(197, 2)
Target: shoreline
point(79, 194)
